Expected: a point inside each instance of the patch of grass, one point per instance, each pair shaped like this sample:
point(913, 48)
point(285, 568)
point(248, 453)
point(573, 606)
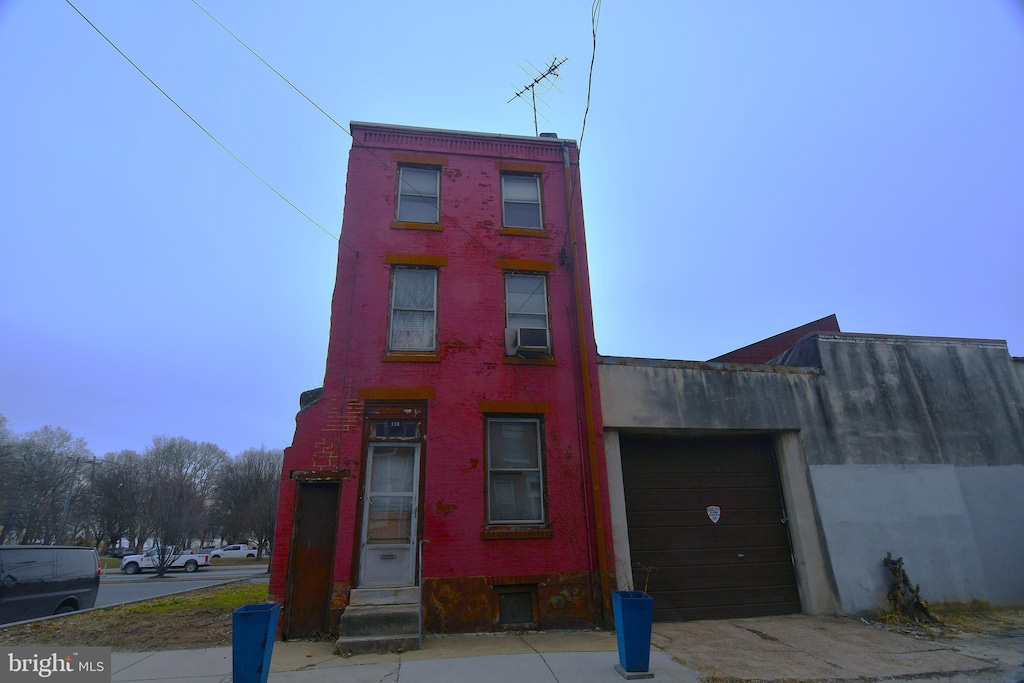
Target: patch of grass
point(979, 616)
point(228, 598)
point(955, 619)
point(199, 619)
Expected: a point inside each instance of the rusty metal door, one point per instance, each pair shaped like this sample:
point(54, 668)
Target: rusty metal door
point(312, 559)
point(390, 511)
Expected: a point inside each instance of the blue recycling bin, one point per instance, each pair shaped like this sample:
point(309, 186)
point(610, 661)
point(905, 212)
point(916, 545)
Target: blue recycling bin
point(634, 618)
point(253, 628)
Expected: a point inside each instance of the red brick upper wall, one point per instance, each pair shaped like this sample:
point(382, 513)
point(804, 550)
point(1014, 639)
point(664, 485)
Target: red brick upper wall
point(470, 375)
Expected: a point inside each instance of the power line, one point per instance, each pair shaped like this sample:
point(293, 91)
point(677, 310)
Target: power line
point(552, 70)
point(595, 19)
point(388, 167)
point(267, 64)
point(355, 142)
point(200, 126)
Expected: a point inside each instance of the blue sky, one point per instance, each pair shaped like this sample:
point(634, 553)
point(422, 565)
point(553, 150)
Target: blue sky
point(747, 167)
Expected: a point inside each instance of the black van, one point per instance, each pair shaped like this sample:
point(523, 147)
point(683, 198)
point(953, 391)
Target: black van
point(40, 580)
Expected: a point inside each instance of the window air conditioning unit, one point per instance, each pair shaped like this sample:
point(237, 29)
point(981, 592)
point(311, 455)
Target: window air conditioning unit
point(526, 341)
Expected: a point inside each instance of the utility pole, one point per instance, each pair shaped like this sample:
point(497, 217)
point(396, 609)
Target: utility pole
point(67, 501)
point(550, 73)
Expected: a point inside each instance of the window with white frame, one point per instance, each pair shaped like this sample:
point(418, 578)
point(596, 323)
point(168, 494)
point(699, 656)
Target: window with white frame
point(418, 192)
point(515, 477)
point(526, 311)
point(520, 198)
point(412, 323)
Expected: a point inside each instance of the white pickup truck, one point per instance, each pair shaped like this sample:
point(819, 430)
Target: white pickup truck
point(234, 551)
point(190, 562)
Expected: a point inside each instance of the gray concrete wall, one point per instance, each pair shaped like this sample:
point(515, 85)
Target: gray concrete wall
point(913, 446)
point(917, 401)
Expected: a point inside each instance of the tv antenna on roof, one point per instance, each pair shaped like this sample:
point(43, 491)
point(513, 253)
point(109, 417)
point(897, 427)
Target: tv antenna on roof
point(549, 73)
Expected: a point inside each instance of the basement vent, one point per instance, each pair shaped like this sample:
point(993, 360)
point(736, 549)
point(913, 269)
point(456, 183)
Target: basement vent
point(517, 607)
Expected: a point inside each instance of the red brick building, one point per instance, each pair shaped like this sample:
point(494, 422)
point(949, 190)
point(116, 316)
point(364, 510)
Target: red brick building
point(460, 412)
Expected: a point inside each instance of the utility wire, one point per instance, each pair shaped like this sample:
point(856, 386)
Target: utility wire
point(595, 19)
point(390, 169)
point(266, 64)
point(200, 126)
point(451, 219)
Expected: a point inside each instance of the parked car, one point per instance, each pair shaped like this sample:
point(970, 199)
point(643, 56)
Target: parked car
point(176, 559)
point(234, 551)
point(40, 580)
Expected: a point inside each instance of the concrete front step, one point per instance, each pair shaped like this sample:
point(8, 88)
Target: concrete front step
point(384, 596)
point(378, 620)
point(365, 645)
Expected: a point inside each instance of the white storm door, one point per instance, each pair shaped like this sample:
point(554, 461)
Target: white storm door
point(390, 509)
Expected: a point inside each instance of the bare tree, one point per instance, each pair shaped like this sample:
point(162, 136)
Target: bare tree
point(43, 485)
point(8, 486)
point(246, 497)
point(181, 479)
point(119, 499)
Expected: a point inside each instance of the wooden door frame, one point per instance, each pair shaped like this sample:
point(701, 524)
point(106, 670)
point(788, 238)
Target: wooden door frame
point(383, 410)
point(302, 479)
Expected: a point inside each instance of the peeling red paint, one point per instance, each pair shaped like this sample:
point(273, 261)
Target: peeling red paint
point(452, 347)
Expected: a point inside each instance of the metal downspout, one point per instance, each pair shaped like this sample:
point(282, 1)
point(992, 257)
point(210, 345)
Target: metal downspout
point(588, 406)
point(419, 600)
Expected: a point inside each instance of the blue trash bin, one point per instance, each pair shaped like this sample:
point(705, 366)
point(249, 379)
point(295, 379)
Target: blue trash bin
point(634, 618)
point(253, 628)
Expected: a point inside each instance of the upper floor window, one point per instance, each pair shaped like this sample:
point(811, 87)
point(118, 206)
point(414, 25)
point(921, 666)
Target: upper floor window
point(515, 477)
point(520, 198)
point(412, 324)
point(418, 192)
point(526, 312)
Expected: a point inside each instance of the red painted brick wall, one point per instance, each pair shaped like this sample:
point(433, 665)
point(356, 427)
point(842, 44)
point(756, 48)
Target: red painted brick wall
point(473, 367)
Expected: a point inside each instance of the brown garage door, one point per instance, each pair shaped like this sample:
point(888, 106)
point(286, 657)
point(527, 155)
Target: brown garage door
point(740, 566)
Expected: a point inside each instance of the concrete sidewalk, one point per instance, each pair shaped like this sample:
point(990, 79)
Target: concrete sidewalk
point(772, 648)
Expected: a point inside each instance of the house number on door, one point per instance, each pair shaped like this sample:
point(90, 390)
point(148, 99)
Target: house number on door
point(714, 513)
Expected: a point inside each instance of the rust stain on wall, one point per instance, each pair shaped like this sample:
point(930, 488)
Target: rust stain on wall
point(469, 604)
point(444, 508)
point(456, 605)
point(339, 601)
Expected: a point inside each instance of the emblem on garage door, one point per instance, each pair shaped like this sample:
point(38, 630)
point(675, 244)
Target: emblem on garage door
point(714, 513)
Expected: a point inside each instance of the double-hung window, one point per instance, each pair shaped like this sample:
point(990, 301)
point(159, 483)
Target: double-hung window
point(515, 476)
point(412, 323)
point(526, 311)
point(520, 199)
point(418, 192)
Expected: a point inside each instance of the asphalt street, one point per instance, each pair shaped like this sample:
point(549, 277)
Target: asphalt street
point(116, 588)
